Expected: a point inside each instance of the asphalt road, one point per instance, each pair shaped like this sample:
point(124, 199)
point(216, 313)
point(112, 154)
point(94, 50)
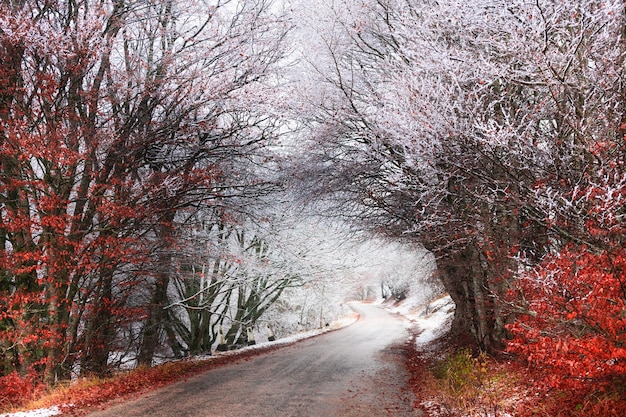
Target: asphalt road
point(355, 371)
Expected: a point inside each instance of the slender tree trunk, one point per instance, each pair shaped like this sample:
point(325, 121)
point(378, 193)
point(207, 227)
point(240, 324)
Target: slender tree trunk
point(101, 329)
point(156, 313)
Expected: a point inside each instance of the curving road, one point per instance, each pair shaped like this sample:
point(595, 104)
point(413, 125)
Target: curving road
point(355, 371)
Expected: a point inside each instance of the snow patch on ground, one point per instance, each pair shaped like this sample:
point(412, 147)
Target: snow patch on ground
point(42, 412)
point(409, 306)
point(433, 319)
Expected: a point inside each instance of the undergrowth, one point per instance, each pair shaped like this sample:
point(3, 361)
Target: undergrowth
point(15, 390)
point(92, 391)
point(462, 384)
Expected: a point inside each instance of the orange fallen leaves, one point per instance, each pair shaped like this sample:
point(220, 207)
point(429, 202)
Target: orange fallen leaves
point(81, 396)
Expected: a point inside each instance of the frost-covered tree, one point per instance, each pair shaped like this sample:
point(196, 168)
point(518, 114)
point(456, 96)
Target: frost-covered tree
point(406, 272)
point(227, 277)
point(470, 127)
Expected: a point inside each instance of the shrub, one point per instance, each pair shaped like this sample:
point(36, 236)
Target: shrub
point(16, 390)
point(574, 329)
point(461, 372)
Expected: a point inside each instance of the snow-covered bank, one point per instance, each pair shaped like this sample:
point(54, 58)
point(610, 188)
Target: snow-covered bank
point(337, 324)
point(433, 319)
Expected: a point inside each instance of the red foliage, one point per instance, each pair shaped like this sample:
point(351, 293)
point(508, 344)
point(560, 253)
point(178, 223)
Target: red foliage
point(16, 390)
point(574, 331)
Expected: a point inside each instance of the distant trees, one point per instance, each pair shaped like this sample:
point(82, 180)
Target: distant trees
point(408, 273)
point(485, 130)
point(220, 278)
point(118, 120)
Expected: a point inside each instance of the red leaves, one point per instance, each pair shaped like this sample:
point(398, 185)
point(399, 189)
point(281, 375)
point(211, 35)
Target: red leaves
point(578, 335)
point(16, 390)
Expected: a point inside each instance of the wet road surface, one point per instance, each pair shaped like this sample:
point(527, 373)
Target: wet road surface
point(355, 371)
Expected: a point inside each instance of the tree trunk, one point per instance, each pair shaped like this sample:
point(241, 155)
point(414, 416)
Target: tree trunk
point(477, 318)
point(100, 332)
point(156, 312)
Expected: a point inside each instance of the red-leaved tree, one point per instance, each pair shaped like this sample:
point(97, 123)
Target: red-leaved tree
point(115, 118)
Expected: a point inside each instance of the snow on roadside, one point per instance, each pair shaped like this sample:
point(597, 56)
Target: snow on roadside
point(433, 319)
point(41, 412)
point(338, 324)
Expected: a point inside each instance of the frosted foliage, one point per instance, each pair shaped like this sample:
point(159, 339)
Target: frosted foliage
point(490, 131)
point(407, 273)
point(443, 89)
point(448, 70)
